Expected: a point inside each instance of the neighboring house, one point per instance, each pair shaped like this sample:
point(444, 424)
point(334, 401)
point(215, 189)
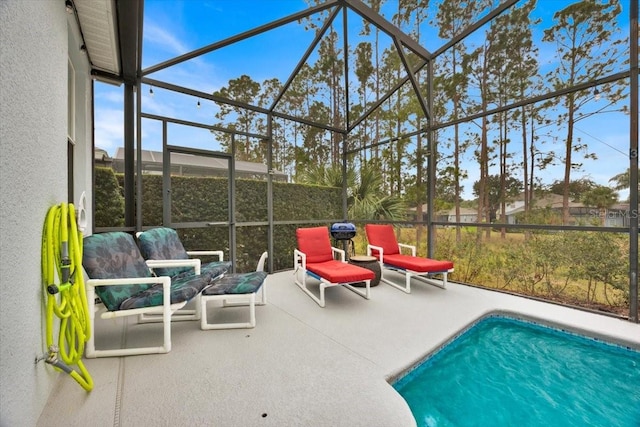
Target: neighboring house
point(101, 158)
point(549, 201)
point(467, 215)
point(620, 215)
point(191, 165)
point(412, 213)
point(616, 216)
point(440, 216)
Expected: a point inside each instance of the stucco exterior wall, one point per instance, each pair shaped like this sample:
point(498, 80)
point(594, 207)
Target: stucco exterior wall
point(33, 177)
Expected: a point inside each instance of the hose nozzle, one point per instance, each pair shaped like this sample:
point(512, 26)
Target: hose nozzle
point(54, 289)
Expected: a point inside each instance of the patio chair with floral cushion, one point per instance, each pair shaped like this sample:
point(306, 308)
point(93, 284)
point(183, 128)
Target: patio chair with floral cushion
point(126, 286)
point(383, 245)
point(162, 248)
point(315, 257)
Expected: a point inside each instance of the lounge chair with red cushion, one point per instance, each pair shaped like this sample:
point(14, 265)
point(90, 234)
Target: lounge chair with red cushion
point(385, 247)
point(315, 257)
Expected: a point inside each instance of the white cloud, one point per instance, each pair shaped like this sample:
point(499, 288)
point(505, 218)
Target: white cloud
point(162, 40)
point(111, 96)
point(109, 129)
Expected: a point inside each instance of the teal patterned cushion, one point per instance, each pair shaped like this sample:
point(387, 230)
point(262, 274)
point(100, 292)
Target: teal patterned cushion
point(238, 283)
point(163, 243)
point(182, 289)
point(215, 269)
point(184, 286)
point(114, 255)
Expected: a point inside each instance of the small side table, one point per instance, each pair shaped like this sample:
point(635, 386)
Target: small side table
point(370, 263)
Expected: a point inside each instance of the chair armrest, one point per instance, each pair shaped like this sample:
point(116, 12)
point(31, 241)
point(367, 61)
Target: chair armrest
point(165, 263)
point(413, 248)
point(92, 283)
point(261, 261)
point(339, 252)
point(220, 254)
point(299, 258)
point(129, 281)
point(371, 248)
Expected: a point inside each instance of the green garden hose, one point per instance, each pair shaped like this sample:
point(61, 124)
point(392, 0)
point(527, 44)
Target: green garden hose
point(64, 288)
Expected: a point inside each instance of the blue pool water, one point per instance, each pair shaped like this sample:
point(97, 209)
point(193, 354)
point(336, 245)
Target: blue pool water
point(507, 372)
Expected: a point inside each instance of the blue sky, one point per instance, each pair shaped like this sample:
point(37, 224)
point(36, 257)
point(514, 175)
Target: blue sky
point(172, 28)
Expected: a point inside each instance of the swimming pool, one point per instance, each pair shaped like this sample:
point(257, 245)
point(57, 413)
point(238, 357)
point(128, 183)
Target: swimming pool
point(509, 372)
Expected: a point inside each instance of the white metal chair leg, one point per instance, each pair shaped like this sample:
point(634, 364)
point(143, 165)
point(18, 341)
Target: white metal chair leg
point(242, 300)
point(263, 295)
point(302, 284)
point(409, 275)
point(177, 316)
point(438, 283)
point(366, 294)
point(406, 289)
point(161, 313)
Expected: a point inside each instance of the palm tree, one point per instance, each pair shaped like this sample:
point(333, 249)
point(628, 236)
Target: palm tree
point(365, 200)
point(622, 181)
point(601, 197)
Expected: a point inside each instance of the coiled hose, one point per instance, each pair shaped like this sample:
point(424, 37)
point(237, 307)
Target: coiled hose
point(66, 298)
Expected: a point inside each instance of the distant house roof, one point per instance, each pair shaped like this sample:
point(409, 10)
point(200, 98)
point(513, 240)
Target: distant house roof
point(463, 211)
point(195, 165)
point(548, 201)
point(101, 158)
point(101, 155)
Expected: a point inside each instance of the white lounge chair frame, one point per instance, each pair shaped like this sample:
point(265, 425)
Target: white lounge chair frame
point(300, 264)
point(422, 276)
point(163, 313)
point(235, 300)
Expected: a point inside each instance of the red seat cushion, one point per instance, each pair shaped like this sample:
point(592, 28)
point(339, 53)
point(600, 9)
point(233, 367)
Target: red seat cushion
point(419, 264)
point(382, 235)
point(314, 243)
point(340, 272)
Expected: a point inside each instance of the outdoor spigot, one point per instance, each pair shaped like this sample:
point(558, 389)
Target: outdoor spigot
point(53, 360)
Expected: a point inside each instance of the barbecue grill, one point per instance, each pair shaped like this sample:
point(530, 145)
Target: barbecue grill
point(343, 231)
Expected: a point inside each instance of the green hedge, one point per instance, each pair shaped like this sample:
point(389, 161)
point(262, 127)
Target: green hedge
point(109, 199)
point(197, 199)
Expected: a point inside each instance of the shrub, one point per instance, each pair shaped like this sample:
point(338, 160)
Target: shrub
point(108, 198)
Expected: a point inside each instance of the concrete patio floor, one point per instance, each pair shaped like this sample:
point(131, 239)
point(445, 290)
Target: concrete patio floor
point(301, 366)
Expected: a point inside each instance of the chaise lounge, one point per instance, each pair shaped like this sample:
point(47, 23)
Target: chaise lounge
point(315, 257)
point(384, 246)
